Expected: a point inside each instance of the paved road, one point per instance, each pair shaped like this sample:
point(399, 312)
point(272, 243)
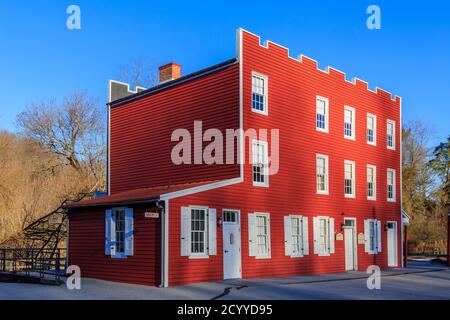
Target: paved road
point(422, 281)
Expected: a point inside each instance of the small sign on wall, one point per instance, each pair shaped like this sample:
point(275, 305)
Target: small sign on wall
point(361, 238)
point(151, 215)
point(339, 237)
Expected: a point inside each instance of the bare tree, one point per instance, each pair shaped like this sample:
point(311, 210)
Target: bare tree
point(139, 72)
point(73, 130)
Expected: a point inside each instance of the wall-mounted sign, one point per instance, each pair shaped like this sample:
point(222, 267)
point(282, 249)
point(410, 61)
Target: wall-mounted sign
point(152, 215)
point(339, 236)
point(361, 238)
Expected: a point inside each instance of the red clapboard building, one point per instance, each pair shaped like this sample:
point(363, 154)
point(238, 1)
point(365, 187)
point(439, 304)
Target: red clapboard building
point(320, 191)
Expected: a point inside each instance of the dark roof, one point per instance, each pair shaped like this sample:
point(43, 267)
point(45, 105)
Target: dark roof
point(143, 195)
point(173, 83)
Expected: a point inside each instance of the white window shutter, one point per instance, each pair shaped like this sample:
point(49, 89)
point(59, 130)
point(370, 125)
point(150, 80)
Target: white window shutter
point(287, 236)
point(108, 232)
point(212, 232)
point(251, 235)
point(305, 236)
point(316, 235)
point(367, 236)
point(129, 229)
point(378, 236)
point(185, 234)
point(331, 230)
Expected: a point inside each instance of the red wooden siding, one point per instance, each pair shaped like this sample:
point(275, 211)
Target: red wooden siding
point(140, 141)
point(292, 90)
point(87, 247)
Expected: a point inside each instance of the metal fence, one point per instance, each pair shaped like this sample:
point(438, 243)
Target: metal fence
point(32, 262)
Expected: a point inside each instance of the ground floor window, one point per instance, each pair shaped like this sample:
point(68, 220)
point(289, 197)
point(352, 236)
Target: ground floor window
point(259, 235)
point(198, 231)
point(323, 235)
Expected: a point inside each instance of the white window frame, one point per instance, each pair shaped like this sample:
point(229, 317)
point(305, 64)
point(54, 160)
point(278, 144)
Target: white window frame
point(327, 236)
point(265, 78)
point(374, 121)
point(353, 194)
point(205, 254)
point(325, 157)
point(374, 183)
point(301, 237)
point(373, 226)
point(393, 199)
point(267, 254)
point(390, 122)
point(326, 102)
point(265, 165)
point(353, 119)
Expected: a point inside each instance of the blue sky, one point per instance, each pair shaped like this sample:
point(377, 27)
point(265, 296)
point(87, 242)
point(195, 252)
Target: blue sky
point(41, 58)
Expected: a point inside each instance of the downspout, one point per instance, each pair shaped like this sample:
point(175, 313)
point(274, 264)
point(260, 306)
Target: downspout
point(164, 243)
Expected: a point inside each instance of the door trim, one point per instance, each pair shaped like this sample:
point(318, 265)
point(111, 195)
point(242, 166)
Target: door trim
point(395, 242)
point(240, 242)
point(355, 243)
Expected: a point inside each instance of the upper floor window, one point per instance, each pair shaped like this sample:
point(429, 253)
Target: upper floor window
point(260, 161)
point(390, 134)
point(371, 129)
point(321, 174)
point(349, 179)
point(349, 123)
point(391, 185)
point(259, 93)
point(321, 114)
point(371, 182)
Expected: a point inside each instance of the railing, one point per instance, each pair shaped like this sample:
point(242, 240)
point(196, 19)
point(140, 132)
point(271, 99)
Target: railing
point(32, 262)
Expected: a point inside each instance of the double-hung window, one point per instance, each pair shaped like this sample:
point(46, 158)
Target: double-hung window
point(296, 235)
point(349, 123)
point(119, 232)
point(321, 174)
point(371, 182)
point(349, 179)
point(372, 236)
point(321, 114)
point(259, 234)
point(198, 232)
point(371, 129)
point(323, 235)
point(390, 134)
point(391, 185)
point(260, 161)
point(259, 93)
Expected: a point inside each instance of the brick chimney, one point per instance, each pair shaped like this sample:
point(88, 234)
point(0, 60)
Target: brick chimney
point(169, 72)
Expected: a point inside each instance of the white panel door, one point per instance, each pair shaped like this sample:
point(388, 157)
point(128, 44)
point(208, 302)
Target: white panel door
point(350, 245)
point(349, 256)
point(392, 244)
point(231, 245)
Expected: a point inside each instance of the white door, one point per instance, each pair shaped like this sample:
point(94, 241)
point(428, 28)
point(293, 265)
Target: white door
point(231, 244)
point(350, 244)
point(392, 243)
